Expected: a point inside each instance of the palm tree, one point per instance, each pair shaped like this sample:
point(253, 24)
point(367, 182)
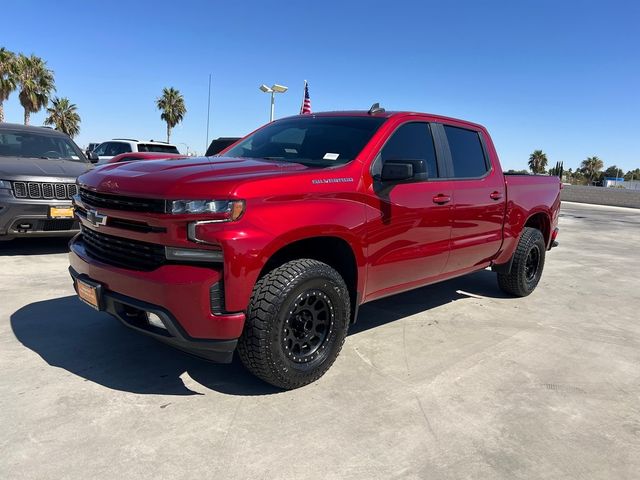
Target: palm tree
point(591, 166)
point(171, 103)
point(63, 115)
point(537, 161)
point(35, 82)
point(7, 77)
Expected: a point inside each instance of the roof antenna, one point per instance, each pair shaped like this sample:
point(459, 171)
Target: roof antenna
point(376, 108)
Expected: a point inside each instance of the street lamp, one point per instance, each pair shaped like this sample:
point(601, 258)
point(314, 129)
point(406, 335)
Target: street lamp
point(273, 89)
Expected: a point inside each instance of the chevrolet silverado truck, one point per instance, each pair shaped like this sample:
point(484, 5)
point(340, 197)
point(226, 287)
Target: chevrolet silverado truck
point(271, 247)
point(38, 171)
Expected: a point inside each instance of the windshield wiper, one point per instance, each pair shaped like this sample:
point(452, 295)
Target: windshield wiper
point(307, 162)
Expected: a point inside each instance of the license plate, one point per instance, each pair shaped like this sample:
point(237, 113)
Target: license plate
point(88, 294)
point(61, 212)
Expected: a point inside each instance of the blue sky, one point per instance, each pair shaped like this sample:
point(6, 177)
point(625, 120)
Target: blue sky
point(560, 76)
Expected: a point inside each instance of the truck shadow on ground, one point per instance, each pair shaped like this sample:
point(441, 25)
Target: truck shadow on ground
point(35, 246)
point(67, 334)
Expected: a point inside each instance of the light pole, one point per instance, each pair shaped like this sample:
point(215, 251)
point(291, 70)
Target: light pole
point(187, 147)
point(273, 89)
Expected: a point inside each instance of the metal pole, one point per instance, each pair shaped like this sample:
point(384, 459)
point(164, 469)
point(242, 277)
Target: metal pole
point(208, 113)
point(273, 105)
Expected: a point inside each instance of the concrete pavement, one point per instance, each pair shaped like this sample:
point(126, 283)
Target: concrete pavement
point(449, 381)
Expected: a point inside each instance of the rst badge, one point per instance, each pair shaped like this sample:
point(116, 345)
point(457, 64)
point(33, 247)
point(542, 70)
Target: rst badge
point(96, 219)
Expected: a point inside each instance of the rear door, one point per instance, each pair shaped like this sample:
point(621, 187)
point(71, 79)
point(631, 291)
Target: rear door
point(408, 224)
point(478, 197)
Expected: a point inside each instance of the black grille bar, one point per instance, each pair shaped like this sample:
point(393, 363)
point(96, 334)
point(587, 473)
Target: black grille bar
point(119, 202)
point(121, 252)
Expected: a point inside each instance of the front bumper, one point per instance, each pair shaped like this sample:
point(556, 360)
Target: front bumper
point(30, 218)
point(178, 294)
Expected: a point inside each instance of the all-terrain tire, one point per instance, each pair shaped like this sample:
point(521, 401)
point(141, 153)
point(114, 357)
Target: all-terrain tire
point(527, 265)
point(296, 323)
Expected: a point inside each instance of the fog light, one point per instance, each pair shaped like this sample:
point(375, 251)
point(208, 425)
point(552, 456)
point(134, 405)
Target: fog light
point(155, 320)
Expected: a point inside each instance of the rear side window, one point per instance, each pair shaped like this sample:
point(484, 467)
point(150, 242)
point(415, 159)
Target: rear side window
point(412, 141)
point(467, 153)
point(152, 147)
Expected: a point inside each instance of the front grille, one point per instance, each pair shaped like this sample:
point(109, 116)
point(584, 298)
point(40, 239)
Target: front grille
point(119, 202)
point(44, 190)
point(123, 252)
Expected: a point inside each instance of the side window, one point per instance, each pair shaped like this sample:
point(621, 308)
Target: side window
point(121, 148)
point(412, 141)
point(111, 149)
point(467, 154)
point(101, 149)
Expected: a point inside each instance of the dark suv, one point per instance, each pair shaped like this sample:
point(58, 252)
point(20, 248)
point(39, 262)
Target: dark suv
point(38, 171)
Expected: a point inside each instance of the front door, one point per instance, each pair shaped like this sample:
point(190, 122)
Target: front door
point(408, 223)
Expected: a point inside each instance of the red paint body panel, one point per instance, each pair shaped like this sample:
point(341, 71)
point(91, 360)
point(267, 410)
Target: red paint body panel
point(401, 239)
point(181, 289)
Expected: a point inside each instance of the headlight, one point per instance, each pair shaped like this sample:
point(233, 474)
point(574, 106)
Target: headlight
point(220, 210)
point(5, 187)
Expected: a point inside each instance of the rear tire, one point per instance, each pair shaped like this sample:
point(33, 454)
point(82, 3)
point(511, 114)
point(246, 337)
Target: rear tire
point(296, 323)
point(527, 265)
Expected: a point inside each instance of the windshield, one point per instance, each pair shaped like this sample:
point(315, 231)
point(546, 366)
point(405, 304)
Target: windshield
point(35, 145)
point(313, 141)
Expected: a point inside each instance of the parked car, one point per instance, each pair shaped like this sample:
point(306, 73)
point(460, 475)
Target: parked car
point(273, 247)
point(38, 170)
point(219, 144)
point(128, 157)
point(107, 150)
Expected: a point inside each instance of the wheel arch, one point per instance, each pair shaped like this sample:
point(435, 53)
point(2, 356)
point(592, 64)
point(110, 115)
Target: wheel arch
point(333, 250)
point(540, 221)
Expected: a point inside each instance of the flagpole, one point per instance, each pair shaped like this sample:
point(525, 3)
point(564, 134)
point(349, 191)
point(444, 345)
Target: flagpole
point(304, 91)
point(208, 112)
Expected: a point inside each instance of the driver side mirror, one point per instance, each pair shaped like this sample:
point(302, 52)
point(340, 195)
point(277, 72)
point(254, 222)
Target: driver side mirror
point(396, 171)
point(93, 157)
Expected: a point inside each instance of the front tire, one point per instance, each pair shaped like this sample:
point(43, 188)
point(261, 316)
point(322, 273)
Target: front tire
point(296, 323)
point(527, 265)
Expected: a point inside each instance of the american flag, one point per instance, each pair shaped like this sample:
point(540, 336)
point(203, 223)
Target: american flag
point(305, 109)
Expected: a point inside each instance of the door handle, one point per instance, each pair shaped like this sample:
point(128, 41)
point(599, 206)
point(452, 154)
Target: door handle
point(495, 195)
point(441, 199)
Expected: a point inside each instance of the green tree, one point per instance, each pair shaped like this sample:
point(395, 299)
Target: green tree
point(171, 104)
point(35, 82)
point(558, 170)
point(613, 172)
point(632, 174)
point(537, 161)
point(63, 115)
point(7, 77)
point(591, 167)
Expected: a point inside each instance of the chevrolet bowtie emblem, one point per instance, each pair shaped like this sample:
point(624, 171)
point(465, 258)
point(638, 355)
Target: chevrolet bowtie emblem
point(96, 219)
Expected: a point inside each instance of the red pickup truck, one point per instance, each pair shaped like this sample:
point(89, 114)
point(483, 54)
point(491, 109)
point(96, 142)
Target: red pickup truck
point(272, 245)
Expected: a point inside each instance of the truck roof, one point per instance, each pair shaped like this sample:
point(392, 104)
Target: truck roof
point(383, 114)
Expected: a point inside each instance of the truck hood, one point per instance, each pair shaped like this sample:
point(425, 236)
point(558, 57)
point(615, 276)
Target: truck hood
point(22, 168)
point(183, 177)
